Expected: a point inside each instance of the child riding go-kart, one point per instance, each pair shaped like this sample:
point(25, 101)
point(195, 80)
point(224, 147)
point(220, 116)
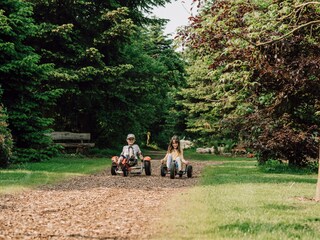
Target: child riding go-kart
point(173, 170)
point(172, 162)
point(131, 166)
point(128, 161)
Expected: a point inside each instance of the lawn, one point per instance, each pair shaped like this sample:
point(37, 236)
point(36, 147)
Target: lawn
point(30, 175)
point(238, 200)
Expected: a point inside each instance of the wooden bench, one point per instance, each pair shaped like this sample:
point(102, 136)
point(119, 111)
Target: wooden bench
point(78, 141)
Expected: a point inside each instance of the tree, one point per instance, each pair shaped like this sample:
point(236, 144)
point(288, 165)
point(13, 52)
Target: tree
point(317, 197)
point(26, 94)
point(111, 82)
point(261, 69)
point(157, 74)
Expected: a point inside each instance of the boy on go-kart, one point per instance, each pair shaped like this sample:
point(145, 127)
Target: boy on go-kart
point(131, 152)
point(128, 160)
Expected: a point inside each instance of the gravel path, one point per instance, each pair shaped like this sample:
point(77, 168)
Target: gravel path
point(98, 206)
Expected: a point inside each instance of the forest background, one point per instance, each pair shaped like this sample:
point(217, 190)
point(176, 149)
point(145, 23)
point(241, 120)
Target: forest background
point(248, 73)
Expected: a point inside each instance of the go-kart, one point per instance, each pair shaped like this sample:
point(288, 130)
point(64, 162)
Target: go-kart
point(173, 171)
point(131, 166)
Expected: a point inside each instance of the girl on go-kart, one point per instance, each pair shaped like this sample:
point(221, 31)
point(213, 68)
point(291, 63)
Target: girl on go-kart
point(174, 153)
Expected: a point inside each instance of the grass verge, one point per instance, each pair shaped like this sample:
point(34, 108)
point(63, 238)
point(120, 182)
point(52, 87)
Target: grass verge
point(31, 175)
point(237, 200)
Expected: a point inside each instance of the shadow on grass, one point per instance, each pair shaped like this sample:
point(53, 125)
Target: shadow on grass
point(247, 227)
point(249, 173)
point(281, 207)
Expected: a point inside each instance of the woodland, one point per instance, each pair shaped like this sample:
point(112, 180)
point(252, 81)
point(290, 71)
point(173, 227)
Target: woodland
point(248, 72)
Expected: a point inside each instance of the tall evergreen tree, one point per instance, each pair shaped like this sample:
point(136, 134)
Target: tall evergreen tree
point(157, 74)
point(103, 66)
point(24, 82)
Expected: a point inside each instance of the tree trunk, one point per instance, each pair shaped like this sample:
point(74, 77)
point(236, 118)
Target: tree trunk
point(317, 198)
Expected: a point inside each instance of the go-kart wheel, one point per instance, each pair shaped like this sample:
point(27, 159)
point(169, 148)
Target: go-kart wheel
point(172, 170)
point(189, 171)
point(113, 170)
point(125, 171)
point(147, 167)
point(180, 174)
point(163, 170)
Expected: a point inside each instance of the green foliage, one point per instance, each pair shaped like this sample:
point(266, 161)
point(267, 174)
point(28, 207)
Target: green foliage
point(114, 69)
point(26, 94)
point(251, 65)
point(85, 66)
point(157, 74)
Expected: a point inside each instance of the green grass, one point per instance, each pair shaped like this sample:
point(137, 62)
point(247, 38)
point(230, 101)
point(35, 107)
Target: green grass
point(31, 175)
point(238, 200)
point(191, 154)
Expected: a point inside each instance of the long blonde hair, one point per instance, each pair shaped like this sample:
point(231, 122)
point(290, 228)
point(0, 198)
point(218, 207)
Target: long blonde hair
point(170, 147)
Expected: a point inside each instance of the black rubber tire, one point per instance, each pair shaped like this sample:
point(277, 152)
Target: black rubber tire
point(189, 171)
point(180, 174)
point(113, 170)
point(163, 170)
point(147, 167)
point(125, 171)
point(172, 170)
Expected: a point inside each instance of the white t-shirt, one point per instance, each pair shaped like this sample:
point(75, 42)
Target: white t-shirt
point(131, 151)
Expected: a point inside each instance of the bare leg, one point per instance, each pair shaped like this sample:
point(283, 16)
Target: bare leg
point(169, 160)
point(178, 160)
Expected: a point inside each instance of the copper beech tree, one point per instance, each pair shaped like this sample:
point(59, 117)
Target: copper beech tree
point(254, 75)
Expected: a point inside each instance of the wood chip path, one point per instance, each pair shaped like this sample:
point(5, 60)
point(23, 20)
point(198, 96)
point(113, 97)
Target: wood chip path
point(98, 206)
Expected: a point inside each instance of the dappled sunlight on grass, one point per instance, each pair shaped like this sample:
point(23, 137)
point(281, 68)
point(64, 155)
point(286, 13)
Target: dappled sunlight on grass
point(27, 179)
point(13, 189)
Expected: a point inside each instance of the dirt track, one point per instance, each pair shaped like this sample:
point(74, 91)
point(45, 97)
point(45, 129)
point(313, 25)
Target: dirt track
point(98, 206)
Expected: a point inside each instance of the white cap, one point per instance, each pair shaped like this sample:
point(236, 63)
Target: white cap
point(131, 136)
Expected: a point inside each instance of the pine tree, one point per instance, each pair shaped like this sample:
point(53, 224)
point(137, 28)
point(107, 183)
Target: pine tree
point(112, 81)
point(23, 80)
